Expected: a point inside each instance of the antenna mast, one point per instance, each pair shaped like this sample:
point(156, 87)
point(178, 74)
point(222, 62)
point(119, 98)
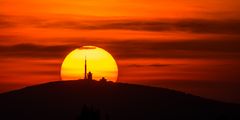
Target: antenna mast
point(85, 70)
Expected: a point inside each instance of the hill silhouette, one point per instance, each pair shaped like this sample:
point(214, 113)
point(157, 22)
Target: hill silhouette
point(67, 100)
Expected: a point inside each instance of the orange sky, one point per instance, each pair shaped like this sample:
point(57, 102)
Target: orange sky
point(124, 8)
point(158, 40)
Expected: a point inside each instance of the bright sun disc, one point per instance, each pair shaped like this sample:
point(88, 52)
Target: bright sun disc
point(99, 62)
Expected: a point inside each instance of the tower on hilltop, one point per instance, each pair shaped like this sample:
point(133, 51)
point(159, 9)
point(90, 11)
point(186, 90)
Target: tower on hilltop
point(87, 76)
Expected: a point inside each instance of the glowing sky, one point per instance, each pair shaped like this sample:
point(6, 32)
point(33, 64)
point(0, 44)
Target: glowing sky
point(188, 45)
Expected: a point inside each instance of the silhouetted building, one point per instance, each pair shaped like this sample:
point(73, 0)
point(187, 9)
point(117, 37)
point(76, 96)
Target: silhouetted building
point(89, 76)
point(103, 79)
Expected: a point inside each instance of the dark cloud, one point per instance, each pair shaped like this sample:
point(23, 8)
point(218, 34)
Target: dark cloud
point(34, 51)
point(206, 49)
point(178, 49)
point(149, 65)
point(187, 25)
point(51, 73)
point(88, 47)
point(9, 21)
point(8, 38)
point(221, 26)
point(6, 23)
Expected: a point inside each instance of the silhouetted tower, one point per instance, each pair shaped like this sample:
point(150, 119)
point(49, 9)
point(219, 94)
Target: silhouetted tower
point(85, 69)
point(87, 76)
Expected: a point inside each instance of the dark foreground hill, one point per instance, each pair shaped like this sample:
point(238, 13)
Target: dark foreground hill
point(64, 100)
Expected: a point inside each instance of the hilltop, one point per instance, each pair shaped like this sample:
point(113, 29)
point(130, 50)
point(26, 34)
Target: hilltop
point(64, 100)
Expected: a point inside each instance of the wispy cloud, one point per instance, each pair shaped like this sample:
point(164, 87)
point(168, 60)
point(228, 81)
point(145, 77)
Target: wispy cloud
point(34, 51)
point(186, 25)
point(227, 26)
point(149, 65)
point(178, 49)
point(221, 49)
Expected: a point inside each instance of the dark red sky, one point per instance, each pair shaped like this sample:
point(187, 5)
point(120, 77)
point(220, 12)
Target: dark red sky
point(188, 45)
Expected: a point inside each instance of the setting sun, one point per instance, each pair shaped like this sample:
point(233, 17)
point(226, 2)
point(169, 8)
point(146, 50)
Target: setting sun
point(99, 62)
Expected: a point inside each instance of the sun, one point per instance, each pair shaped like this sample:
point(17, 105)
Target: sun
point(98, 61)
